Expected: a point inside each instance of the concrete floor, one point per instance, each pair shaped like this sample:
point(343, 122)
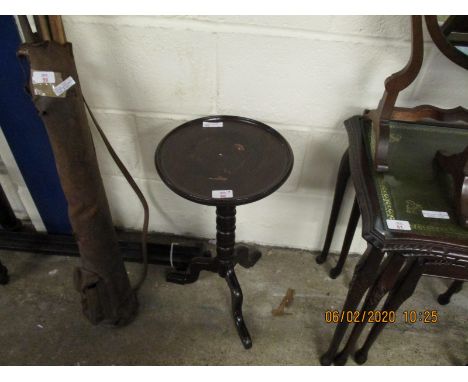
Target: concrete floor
point(41, 321)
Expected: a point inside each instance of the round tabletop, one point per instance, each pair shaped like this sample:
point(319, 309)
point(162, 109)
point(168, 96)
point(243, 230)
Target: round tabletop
point(224, 160)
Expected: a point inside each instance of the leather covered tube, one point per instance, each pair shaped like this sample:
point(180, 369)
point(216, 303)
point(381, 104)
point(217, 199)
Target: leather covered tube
point(102, 280)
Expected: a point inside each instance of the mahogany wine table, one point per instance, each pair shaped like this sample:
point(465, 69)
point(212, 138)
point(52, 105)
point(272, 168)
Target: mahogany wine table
point(224, 161)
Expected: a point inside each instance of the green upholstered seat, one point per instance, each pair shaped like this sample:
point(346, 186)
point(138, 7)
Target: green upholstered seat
point(414, 184)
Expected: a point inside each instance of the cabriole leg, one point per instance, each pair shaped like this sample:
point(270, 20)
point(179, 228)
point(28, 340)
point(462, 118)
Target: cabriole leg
point(403, 290)
point(341, 182)
point(364, 277)
point(350, 230)
point(455, 287)
point(385, 282)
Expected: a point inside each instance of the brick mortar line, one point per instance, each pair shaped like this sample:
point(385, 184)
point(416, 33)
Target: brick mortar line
point(186, 117)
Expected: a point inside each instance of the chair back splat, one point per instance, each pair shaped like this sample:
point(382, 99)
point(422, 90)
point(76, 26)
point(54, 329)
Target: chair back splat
point(387, 111)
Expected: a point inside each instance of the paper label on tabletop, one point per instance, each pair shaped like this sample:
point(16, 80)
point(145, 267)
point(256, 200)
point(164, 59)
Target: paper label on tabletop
point(64, 86)
point(212, 124)
point(401, 225)
point(40, 77)
point(436, 214)
point(222, 194)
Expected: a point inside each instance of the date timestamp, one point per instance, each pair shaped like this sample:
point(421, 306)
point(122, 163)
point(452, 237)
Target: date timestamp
point(384, 316)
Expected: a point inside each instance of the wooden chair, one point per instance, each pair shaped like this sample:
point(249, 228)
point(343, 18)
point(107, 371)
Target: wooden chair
point(394, 184)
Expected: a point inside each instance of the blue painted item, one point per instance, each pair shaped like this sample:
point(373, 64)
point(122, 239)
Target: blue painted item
point(26, 134)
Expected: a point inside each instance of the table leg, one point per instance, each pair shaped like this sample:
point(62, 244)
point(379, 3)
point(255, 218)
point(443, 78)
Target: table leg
point(364, 276)
point(455, 287)
point(227, 257)
point(236, 301)
point(350, 230)
point(385, 282)
point(402, 291)
point(191, 274)
point(340, 188)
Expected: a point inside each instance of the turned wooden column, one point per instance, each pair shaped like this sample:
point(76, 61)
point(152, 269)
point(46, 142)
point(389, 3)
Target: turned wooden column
point(225, 233)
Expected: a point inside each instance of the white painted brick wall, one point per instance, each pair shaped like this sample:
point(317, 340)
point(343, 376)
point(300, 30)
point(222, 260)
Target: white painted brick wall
point(302, 74)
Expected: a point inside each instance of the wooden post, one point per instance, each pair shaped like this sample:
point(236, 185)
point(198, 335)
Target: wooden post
point(57, 30)
point(42, 26)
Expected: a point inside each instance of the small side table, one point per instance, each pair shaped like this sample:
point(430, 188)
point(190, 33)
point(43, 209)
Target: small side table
point(224, 161)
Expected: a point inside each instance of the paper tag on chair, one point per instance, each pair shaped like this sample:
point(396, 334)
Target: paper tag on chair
point(64, 86)
point(42, 77)
point(221, 194)
point(401, 225)
point(435, 214)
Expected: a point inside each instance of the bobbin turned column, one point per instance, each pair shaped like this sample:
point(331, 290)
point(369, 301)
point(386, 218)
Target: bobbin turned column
point(225, 235)
point(225, 241)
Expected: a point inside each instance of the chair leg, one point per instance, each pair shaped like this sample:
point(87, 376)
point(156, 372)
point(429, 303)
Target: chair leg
point(384, 284)
point(350, 230)
point(403, 290)
point(340, 188)
point(4, 278)
point(364, 276)
point(455, 287)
